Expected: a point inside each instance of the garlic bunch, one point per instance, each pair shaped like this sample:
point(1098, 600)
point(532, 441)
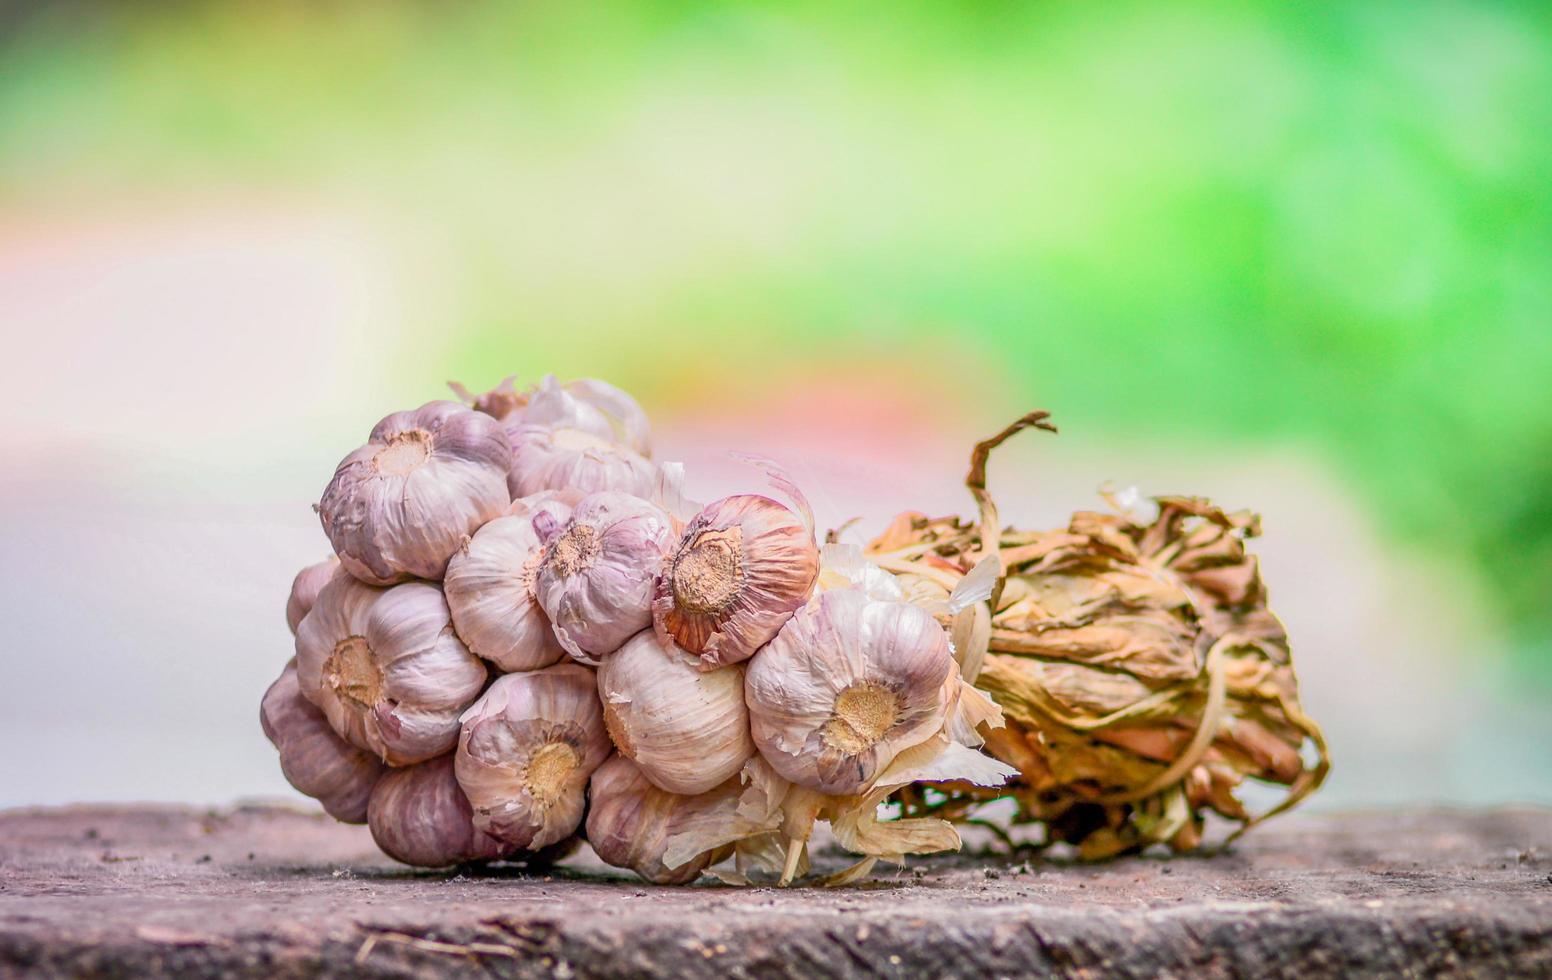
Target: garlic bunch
point(305, 588)
point(589, 405)
point(315, 760)
point(419, 815)
point(400, 506)
point(687, 729)
point(744, 564)
point(596, 579)
point(490, 585)
point(528, 746)
point(386, 668)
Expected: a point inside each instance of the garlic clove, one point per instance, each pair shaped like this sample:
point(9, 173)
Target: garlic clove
point(419, 816)
point(845, 686)
point(686, 728)
point(386, 668)
point(317, 762)
point(528, 746)
point(549, 458)
point(630, 822)
point(401, 505)
point(743, 566)
point(596, 579)
point(490, 588)
point(305, 588)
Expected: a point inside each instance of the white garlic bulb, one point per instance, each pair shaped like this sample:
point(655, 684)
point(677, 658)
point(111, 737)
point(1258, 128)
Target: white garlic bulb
point(386, 668)
point(596, 578)
point(590, 406)
point(847, 684)
point(547, 458)
point(490, 585)
point(630, 821)
point(419, 815)
point(744, 564)
point(687, 729)
point(305, 588)
point(529, 745)
point(587, 404)
point(400, 506)
point(316, 761)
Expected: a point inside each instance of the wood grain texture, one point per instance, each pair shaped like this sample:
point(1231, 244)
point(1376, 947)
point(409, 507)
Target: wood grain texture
point(275, 892)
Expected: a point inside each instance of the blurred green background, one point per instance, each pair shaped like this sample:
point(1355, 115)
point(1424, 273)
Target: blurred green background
point(1216, 224)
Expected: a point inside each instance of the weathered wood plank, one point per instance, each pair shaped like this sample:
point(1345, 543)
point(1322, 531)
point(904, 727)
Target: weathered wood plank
point(273, 892)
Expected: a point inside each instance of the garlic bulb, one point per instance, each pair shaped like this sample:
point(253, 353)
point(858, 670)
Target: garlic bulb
point(529, 745)
point(490, 585)
point(547, 458)
point(596, 578)
point(630, 821)
point(418, 815)
point(305, 588)
point(386, 669)
point(592, 406)
point(686, 728)
point(315, 760)
point(743, 566)
point(845, 686)
point(399, 506)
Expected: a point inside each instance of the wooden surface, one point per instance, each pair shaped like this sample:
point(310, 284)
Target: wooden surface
point(275, 892)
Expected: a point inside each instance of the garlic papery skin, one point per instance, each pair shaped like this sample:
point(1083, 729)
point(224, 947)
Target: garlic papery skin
point(597, 575)
point(305, 588)
point(316, 761)
point(528, 746)
point(420, 816)
point(687, 728)
point(549, 458)
point(386, 668)
point(490, 590)
point(744, 564)
point(401, 505)
point(630, 821)
point(845, 686)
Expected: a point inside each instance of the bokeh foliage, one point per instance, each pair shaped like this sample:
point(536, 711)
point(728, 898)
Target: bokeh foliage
point(1322, 223)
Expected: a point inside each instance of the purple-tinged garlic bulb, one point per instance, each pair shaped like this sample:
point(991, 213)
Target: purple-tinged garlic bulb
point(546, 458)
point(529, 745)
point(744, 565)
point(587, 404)
point(317, 762)
point(848, 684)
point(305, 588)
point(596, 578)
point(630, 821)
point(490, 585)
point(420, 816)
point(400, 506)
point(386, 668)
point(686, 728)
